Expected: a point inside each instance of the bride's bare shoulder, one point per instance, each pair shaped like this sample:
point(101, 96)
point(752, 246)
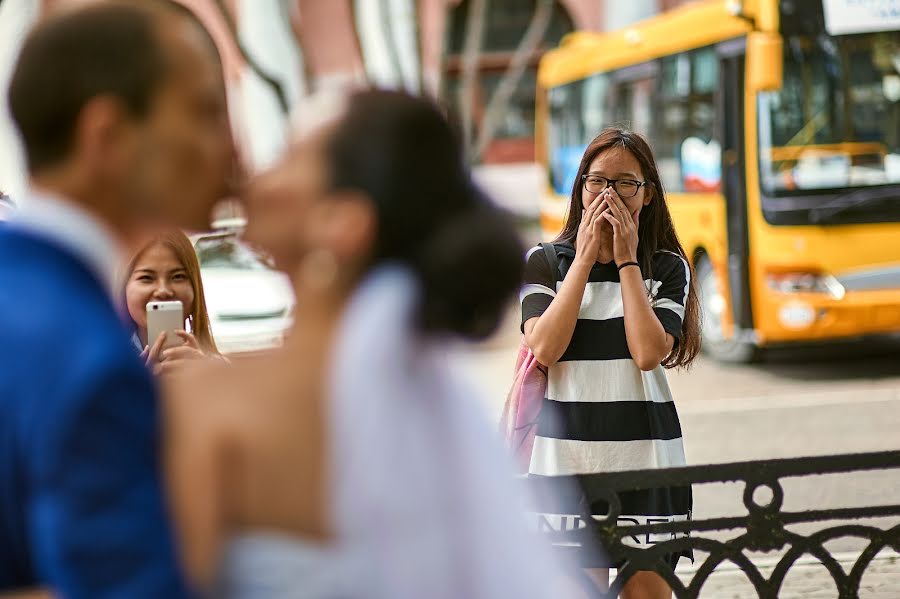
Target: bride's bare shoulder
point(219, 386)
point(206, 388)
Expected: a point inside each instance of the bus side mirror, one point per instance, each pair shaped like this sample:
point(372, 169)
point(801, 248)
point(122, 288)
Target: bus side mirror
point(765, 61)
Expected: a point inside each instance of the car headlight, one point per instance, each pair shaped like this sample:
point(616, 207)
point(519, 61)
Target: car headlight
point(805, 282)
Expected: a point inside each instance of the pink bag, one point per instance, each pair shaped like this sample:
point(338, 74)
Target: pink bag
point(518, 424)
point(519, 421)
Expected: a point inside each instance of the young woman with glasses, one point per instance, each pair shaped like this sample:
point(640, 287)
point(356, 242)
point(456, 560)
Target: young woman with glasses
point(616, 310)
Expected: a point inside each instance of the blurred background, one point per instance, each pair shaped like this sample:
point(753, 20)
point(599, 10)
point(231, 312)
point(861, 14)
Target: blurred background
point(776, 125)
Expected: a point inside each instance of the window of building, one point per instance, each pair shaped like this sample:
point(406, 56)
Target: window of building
point(506, 23)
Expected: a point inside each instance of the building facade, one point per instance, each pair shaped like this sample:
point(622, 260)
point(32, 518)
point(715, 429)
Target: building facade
point(276, 52)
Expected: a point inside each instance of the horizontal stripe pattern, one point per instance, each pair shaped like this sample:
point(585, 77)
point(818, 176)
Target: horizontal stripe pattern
point(564, 457)
point(670, 322)
point(535, 288)
point(533, 306)
point(602, 413)
point(666, 303)
point(598, 340)
point(604, 381)
point(609, 421)
point(603, 299)
point(657, 501)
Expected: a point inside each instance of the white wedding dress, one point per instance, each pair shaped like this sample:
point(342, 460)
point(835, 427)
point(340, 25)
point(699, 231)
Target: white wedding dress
point(424, 506)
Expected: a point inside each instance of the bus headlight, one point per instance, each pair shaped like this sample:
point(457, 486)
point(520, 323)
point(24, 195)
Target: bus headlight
point(805, 282)
point(796, 315)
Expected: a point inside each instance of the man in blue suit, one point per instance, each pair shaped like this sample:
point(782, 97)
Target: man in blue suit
point(121, 109)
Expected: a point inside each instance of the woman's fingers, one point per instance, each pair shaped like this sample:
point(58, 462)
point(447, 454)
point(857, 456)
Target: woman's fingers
point(601, 208)
point(173, 365)
point(163, 368)
point(622, 213)
point(617, 200)
point(182, 353)
point(168, 367)
point(616, 205)
point(189, 339)
point(613, 221)
point(590, 210)
point(631, 219)
point(153, 356)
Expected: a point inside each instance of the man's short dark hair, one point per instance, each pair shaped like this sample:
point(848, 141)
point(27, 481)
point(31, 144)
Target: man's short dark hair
point(106, 49)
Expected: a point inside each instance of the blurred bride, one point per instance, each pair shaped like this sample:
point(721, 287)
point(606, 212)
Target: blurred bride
point(352, 463)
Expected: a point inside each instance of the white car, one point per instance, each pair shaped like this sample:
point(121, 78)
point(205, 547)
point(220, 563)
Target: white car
point(250, 304)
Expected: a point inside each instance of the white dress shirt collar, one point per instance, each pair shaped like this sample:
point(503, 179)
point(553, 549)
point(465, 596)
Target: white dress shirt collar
point(76, 230)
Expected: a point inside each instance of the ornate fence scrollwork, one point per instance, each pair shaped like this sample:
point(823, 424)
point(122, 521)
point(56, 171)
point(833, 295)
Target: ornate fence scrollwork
point(762, 529)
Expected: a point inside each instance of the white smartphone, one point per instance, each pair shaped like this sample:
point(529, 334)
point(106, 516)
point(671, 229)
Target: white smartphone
point(168, 317)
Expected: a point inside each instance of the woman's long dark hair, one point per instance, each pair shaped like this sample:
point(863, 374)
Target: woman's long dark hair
point(404, 155)
point(655, 231)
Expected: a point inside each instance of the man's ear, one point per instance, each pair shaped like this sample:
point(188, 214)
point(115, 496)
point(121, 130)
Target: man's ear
point(103, 132)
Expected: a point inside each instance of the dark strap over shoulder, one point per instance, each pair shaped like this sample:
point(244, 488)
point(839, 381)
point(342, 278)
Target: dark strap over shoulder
point(550, 253)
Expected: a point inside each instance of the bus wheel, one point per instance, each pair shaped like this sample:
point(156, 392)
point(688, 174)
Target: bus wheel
point(713, 306)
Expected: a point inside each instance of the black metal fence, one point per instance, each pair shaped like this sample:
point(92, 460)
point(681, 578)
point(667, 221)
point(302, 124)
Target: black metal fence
point(764, 528)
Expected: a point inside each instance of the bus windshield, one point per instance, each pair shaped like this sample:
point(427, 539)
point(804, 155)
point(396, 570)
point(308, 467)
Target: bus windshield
point(835, 124)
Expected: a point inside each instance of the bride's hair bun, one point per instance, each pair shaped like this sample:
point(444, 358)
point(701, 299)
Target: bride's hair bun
point(403, 154)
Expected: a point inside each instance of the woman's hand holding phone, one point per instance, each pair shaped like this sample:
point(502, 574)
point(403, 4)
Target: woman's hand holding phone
point(176, 357)
point(150, 355)
point(164, 361)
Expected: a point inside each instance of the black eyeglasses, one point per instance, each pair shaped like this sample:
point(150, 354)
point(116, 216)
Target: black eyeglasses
point(626, 188)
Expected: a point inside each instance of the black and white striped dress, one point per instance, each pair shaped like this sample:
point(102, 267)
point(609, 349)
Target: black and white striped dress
point(602, 413)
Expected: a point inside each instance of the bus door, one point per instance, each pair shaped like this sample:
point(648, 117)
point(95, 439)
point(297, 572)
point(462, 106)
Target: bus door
point(730, 111)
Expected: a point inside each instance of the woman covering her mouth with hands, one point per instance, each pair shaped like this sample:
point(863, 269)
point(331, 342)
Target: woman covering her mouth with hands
point(616, 311)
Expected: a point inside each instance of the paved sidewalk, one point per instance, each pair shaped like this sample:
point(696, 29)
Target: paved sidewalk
point(807, 579)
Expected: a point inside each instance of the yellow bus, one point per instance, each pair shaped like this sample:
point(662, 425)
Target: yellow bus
point(776, 126)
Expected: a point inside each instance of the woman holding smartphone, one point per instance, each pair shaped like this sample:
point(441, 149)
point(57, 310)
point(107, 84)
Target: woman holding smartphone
point(167, 269)
point(617, 310)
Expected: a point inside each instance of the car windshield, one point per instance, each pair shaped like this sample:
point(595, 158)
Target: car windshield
point(835, 123)
point(228, 252)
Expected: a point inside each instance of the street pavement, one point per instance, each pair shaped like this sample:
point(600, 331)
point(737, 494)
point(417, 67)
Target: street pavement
point(843, 398)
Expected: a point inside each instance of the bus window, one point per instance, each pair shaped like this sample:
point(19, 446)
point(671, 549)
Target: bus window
point(836, 121)
point(621, 106)
point(595, 101)
point(566, 135)
point(632, 97)
point(577, 114)
point(641, 106)
point(689, 156)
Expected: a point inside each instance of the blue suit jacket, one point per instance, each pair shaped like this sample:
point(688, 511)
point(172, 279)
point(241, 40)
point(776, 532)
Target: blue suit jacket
point(81, 502)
